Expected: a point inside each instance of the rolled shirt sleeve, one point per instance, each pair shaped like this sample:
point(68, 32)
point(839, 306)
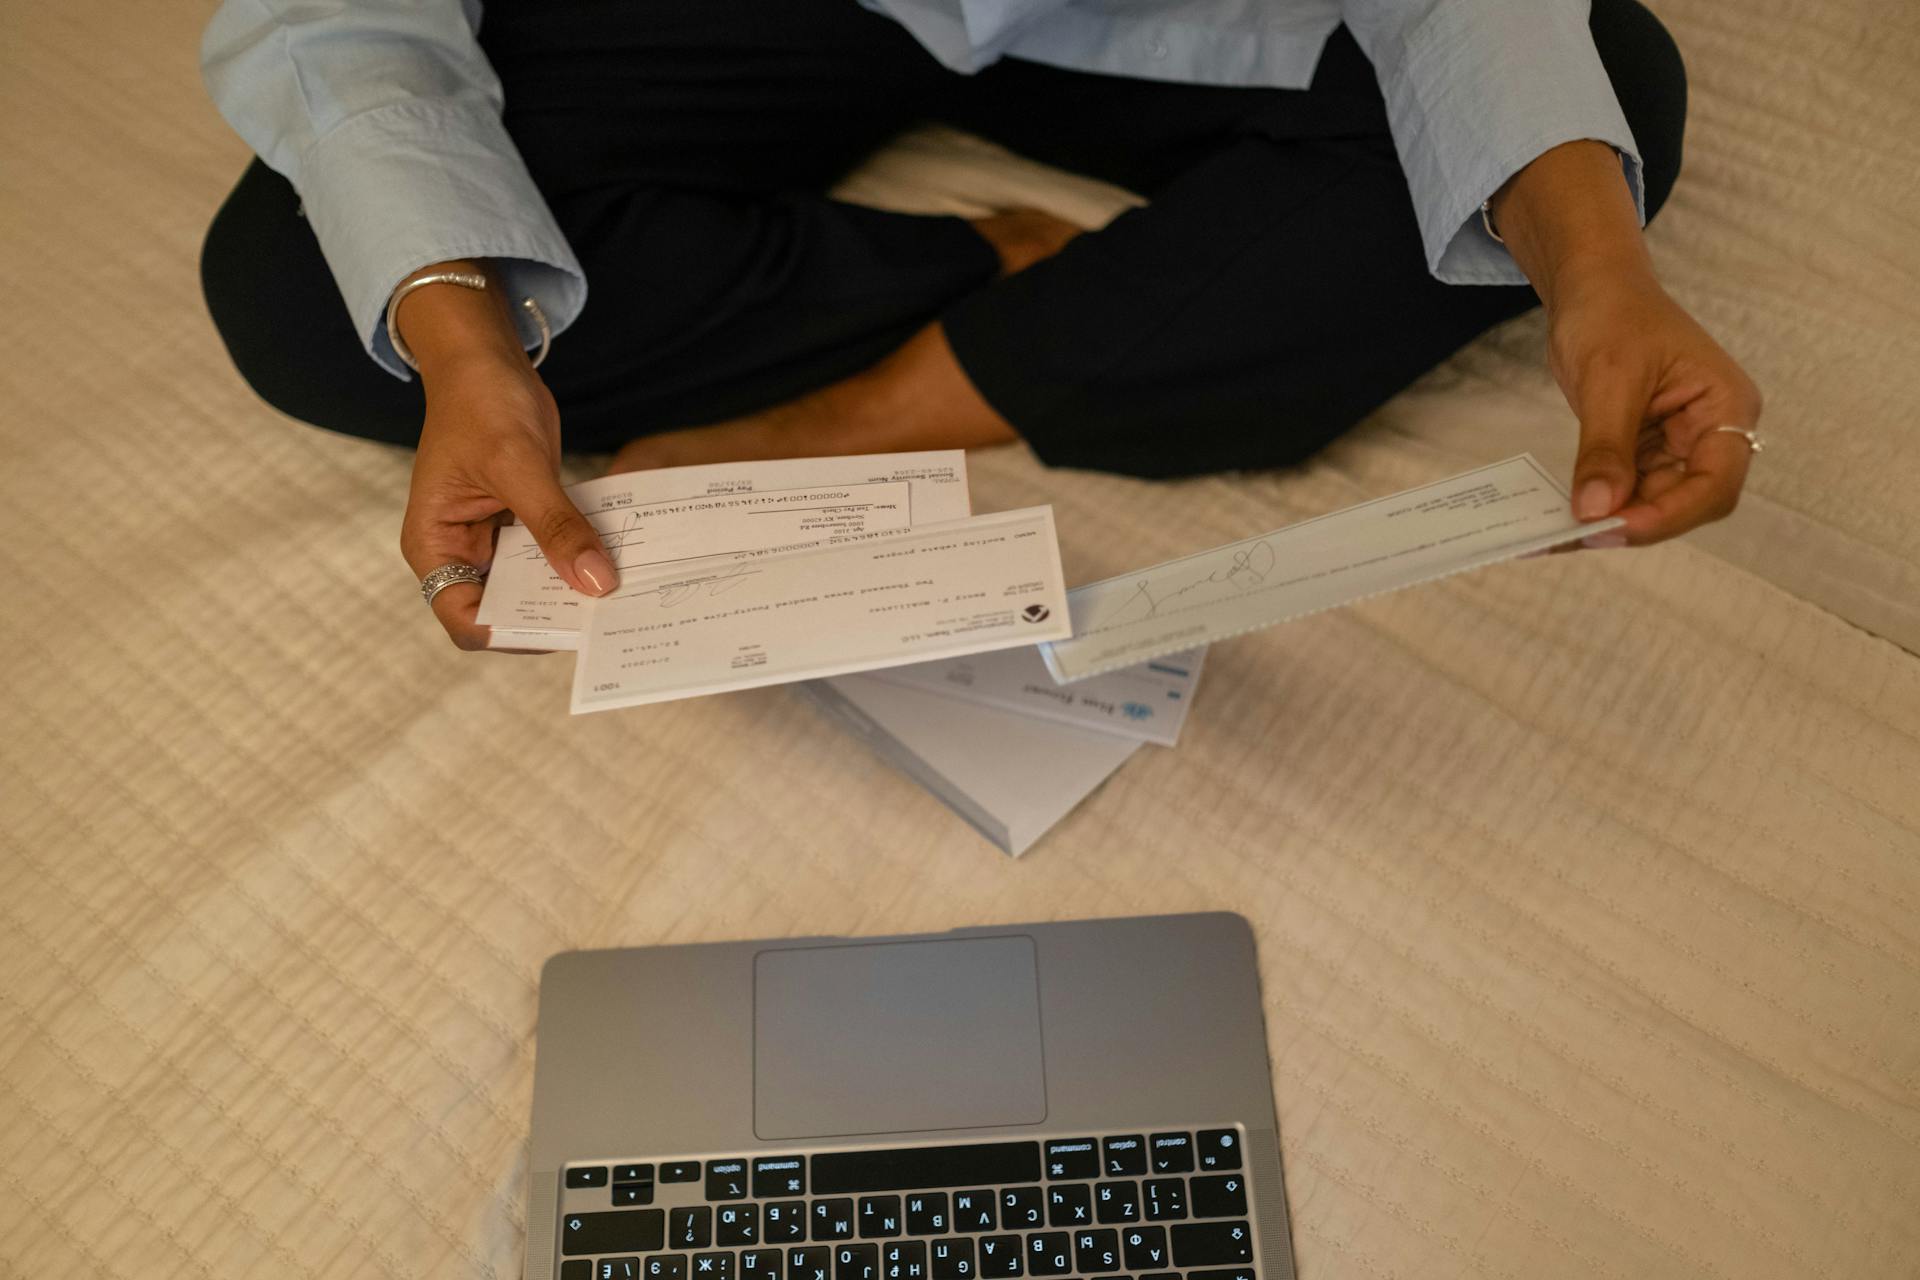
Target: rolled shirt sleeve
point(385, 116)
point(1475, 90)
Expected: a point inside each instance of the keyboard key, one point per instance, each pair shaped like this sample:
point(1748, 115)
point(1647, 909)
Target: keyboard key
point(633, 1173)
point(812, 1262)
point(1172, 1153)
point(927, 1214)
point(786, 1222)
point(904, 1260)
point(1022, 1207)
point(621, 1231)
point(1166, 1198)
point(999, 1257)
point(1201, 1244)
point(1095, 1251)
point(1049, 1253)
point(856, 1262)
point(726, 1179)
point(1073, 1158)
point(879, 1216)
point(953, 1259)
point(1116, 1202)
point(1125, 1157)
point(760, 1264)
point(690, 1228)
point(666, 1266)
point(1228, 1273)
point(1144, 1248)
point(578, 1269)
point(1162, 1275)
point(779, 1176)
point(1219, 1149)
point(617, 1269)
point(736, 1224)
point(1224, 1196)
point(626, 1194)
point(833, 1219)
point(973, 1211)
point(680, 1171)
point(590, 1176)
point(1069, 1205)
point(925, 1168)
point(712, 1266)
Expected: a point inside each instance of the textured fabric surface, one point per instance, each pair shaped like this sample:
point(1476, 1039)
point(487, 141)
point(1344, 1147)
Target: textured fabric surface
point(1587, 889)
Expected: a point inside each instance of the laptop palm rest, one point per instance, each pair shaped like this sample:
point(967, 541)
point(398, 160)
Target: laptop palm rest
point(903, 1037)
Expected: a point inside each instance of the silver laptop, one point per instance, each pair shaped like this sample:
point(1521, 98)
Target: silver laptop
point(1086, 1100)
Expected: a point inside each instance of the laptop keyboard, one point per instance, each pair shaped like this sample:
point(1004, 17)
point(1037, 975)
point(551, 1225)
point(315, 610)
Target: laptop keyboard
point(1142, 1206)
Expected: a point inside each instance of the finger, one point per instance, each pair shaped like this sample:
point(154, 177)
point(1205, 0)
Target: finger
point(571, 545)
point(455, 607)
point(428, 544)
point(1707, 490)
point(1612, 409)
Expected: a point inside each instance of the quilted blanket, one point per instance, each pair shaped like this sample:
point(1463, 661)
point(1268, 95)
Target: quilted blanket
point(1587, 888)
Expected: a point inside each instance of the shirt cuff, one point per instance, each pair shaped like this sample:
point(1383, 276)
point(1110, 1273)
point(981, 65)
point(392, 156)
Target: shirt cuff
point(1480, 89)
point(395, 189)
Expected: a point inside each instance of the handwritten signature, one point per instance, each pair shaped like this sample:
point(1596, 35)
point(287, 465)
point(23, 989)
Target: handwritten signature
point(713, 584)
point(1247, 568)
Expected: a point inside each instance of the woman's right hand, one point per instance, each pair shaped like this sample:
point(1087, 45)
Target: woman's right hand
point(490, 444)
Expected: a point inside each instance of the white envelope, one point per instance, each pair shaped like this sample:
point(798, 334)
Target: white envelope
point(1490, 514)
point(1146, 703)
point(679, 516)
point(873, 600)
point(1011, 776)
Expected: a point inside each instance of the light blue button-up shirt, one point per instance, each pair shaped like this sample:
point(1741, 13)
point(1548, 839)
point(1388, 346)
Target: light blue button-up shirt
point(385, 115)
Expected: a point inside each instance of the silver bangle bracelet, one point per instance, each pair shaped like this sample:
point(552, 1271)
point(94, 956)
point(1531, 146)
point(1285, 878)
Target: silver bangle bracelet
point(466, 280)
point(1486, 220)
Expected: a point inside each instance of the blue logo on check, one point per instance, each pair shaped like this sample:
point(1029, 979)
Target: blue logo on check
point(1137, 710)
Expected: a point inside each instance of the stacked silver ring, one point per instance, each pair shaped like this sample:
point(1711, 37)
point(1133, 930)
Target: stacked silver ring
point(446, 575)
point(1754, 443)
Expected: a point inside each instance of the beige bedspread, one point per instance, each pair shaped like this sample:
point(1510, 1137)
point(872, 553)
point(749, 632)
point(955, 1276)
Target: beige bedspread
point(1587, 889)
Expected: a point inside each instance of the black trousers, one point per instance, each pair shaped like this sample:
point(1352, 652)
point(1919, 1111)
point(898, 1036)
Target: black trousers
point(1273, 293)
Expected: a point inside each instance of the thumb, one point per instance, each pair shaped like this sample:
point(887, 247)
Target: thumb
point(1604, 476)
point(572, 546)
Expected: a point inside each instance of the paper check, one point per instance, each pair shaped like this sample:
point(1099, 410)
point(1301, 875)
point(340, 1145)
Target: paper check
point(1490, 514)
point(1147, 702)
point(682, 515)
point(873, 600)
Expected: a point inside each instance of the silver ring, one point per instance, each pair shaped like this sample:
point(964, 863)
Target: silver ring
point(446, 575)
point(1754, 443)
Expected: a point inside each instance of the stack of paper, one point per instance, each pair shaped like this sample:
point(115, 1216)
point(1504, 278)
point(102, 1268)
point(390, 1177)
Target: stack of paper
point(948, 641)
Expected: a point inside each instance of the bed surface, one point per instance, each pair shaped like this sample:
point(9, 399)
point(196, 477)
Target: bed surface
point(1587, 889)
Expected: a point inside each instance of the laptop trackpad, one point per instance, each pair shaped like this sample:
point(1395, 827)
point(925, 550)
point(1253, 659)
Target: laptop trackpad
point(896, 1037)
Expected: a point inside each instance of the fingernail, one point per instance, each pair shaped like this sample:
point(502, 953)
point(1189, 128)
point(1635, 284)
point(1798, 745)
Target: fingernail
point(1605, 541)
point(1594, 501)
point(594, 569)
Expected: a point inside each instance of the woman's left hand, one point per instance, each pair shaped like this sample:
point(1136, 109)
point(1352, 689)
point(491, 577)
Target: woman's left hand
point(1649, 386)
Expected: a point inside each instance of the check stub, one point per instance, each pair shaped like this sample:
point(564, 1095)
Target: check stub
point(1486, 515)
point(872, 600)
point(661, 520)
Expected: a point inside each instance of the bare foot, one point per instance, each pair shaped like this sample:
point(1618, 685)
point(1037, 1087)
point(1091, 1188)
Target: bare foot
point(917, 398)
point(1023, 237)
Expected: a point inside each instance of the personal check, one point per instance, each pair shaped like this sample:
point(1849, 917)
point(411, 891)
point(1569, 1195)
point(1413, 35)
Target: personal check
point(873, 600)
point(661, 520)
point(1490, 514)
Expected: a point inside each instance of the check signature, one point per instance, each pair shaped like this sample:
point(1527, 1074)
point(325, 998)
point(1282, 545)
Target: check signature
point(1245, 569)
point(708, 585)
